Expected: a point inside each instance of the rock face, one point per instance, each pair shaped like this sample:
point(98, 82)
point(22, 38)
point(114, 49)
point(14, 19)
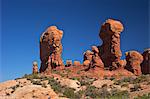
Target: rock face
point(24, 89)
point(51, 49)
point(35, 68)
point(145, 66)
point(134, 59)
point(110, 49)
point(92, 59)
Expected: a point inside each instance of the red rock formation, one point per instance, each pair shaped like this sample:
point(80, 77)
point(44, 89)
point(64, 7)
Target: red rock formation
point(68, 63)
point(35, 68)
point(51, 49)
point(96, 60)
point(145, 66)
point(92, 59)
point(76, 63)
point(110, 49)
point(134, 59)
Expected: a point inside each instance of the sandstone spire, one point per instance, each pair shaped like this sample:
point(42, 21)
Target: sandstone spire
point(110, 51)
point(51, 49)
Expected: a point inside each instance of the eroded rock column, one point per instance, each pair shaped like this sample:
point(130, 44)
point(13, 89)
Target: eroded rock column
point(92, 59)
point(110, 51)
point(145, 66)
point(51, 49)
point(35, 68)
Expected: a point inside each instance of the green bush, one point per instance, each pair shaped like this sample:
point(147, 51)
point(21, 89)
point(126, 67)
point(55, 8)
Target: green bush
point(144, 96)
point(55, 85)
point(32, 76)
point(86, 81)
point(116, 94)
point(69, 92)
point(135, 88)
point(44, 85)
point(36, 82)
point(91, 92)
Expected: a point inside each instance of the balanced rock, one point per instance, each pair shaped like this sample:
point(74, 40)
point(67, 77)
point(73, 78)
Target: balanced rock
point(51, 49)
point(145, 66)
point(134, 59)
point(110, 51)
point(92, 59)
point(96, 60)
point(68, 63)
point(35, 68)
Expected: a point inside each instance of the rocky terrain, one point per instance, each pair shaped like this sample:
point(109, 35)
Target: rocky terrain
point(102, 74)
point(37, 86)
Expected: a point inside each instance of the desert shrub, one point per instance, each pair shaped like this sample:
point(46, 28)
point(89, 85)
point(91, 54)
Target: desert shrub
point(112, 78)
point(36, 82)
point(105, 77)
point(144, 96)
point(140, 79)
point(124, 85)
point(91, 92)
point(117, 82)
point(68, 70)
point(75, 78)
point(15, 87)
point(124, 80)
point(79, 94)
point(78, 72)
point(44, 85)
point(135, 88)
point(55, 71)
point(86, 81)
point(56, 86)
point(119, 95)
point(94, 92)
point(83, 82)
point(69, 92)
point(32, 76)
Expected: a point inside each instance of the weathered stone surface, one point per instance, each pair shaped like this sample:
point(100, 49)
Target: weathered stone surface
point(51, 49)
point(119, 64)
point(96, 60)
point(110, 49)
point(35, 68)
point(134, 59)
point(76, 63)
point(145, 66)
point(86, 63)
point(92, 59)
point(68, 63)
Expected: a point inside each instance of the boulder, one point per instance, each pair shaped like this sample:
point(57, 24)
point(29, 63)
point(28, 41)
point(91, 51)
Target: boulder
point(76, 63)
point(134, 59)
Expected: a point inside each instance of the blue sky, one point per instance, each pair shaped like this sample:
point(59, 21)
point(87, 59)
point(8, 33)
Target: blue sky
point(23, 21)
